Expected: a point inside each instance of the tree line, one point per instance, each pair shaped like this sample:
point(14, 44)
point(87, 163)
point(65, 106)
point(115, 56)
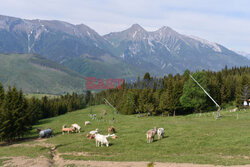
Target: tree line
point(179, 94)
point(18, 114)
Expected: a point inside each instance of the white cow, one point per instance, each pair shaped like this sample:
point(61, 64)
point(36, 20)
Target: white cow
point(101, 139)
point(160, 133)
point(76, 127)
point(87, 123)
point(93, 132)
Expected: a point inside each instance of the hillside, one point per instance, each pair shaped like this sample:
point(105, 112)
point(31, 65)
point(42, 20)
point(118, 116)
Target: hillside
point(195, 139)
point(103, 67)
point(35, 74)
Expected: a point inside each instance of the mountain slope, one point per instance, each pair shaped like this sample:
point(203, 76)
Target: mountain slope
point(103, 67)
point(247, 55)
point(55, 40)
point(129, 53)
point(166, 51)
point(35, 74)
point(64, 43)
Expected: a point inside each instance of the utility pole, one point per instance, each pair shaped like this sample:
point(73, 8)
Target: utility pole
point(218, 111)
point(107, 102)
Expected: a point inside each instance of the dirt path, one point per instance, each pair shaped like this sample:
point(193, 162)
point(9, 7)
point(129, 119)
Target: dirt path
point(60, 162)
point(39, 142)
point(56, 160)
point(26, 162)
point(130, 164)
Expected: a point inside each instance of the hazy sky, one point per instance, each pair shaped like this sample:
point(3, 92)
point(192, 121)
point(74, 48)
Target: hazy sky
point(226, 22)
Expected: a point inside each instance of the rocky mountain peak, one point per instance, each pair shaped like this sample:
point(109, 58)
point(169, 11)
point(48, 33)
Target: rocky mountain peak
point(167, 31)
point(136, 27)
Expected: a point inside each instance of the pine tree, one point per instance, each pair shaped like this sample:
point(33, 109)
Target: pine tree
point(147, 77)
point(23, 123)
point(88, 96)
point(244, 82)
point(14, 116)
point(1, 94)
point(156, 100)
point(34, 110)
point(45, 107)
point(163, 106)
point(176, 95)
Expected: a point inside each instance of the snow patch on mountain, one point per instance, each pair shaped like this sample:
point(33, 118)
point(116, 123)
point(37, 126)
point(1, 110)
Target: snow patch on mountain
point(150, 43)
point(88, 33)
point(212, 45)
point(134, 34)
point(247, 55)
point(163, 66)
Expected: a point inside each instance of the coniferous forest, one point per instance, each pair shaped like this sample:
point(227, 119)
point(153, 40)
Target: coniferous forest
point(18, 114)
point(170, 95)
point(179, 94)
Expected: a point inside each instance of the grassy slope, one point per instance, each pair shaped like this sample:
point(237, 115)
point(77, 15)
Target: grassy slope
point(103, 67)
point(191, 139)
point(40, 96)
point(36, 74)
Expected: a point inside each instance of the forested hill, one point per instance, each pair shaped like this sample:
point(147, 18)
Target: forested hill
point(35, 74)
point(179, 94)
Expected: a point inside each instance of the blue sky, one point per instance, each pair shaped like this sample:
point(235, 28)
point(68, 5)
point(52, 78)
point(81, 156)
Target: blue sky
point(226, 22)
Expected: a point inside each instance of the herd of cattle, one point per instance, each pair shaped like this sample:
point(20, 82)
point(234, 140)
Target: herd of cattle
point(99, 138)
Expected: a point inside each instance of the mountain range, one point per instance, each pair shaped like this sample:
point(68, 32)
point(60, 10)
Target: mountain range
point(247, 55)
point(129, 53)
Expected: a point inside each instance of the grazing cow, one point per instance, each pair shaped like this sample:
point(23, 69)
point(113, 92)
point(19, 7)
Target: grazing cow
point(64, 129)
point(76, 127)
point(160, 133)
point(101, 139)
point(93, 116)
point(87, 123)
point(113, 136)
point(93, 132)
point(111, 129)
point(151, 134)
point(90, 136)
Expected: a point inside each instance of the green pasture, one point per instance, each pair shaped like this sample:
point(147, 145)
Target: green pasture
point(196, 138)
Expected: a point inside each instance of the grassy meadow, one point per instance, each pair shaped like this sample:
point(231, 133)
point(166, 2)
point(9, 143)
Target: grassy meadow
point(40, 96)
point(195, 138)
